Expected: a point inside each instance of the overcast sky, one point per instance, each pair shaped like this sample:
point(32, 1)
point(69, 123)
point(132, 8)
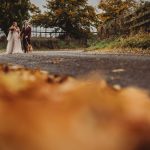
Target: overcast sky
point(42, 2)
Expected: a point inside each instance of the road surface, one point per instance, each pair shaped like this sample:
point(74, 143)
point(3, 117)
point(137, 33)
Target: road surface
point(123, 70)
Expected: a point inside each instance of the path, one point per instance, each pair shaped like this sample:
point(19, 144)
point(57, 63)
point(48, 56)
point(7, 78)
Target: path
point(124, 70)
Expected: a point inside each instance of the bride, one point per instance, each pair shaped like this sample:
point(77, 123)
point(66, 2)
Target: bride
point(14, 42)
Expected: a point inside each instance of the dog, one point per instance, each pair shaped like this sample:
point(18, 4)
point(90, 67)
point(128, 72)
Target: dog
point(29, 48)
point(46, 112)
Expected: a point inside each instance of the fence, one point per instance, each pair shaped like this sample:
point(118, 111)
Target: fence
point(139, 20)
point(49, 32)
point(45, 32)
point(130, 24)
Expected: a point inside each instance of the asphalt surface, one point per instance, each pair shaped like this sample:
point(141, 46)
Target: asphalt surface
point(123, 70)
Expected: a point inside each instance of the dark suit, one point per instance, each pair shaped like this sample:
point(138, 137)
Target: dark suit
point(26, 33)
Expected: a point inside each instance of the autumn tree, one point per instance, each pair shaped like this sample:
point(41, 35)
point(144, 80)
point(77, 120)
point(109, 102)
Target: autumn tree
point(111, 9)
point(73, 16)
point(16, 10)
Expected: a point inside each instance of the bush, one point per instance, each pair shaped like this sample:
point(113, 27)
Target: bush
point(48, 43)
point(3, 42)
point(138, 41)
point(141, 41)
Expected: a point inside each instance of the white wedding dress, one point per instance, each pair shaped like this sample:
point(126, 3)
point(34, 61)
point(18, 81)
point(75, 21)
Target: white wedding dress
point(14, 43)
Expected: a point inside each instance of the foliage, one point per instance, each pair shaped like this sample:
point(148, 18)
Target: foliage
point(141, 41)
point(47, 43)
point(73, 16)
point(111, 9)
point(138, 41)
point(3, 43)
point(130, 20)
point(16, 10)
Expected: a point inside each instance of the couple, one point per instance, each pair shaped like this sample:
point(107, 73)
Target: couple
point(14, 38)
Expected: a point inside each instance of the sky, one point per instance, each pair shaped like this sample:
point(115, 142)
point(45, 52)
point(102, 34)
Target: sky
point(42, 2)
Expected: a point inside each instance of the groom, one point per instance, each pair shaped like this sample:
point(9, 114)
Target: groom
point(26, 33)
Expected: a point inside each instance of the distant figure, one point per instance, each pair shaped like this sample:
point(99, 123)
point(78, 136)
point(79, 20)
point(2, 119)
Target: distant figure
point(26, 33)
point(14, 42)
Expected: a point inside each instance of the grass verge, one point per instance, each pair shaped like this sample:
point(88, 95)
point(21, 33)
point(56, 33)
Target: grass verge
point(139, 41)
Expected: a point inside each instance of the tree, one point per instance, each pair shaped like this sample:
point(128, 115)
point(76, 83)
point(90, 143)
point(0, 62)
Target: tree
point(16, 10)
point(111, 9)
point(73, 16)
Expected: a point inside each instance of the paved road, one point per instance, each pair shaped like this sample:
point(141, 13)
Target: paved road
point(125, 70)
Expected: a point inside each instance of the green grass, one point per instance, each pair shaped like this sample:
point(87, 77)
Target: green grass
point(3, 43)
point(41, 44)
point(2, 46)
point(47, 43)
point(141, 41)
